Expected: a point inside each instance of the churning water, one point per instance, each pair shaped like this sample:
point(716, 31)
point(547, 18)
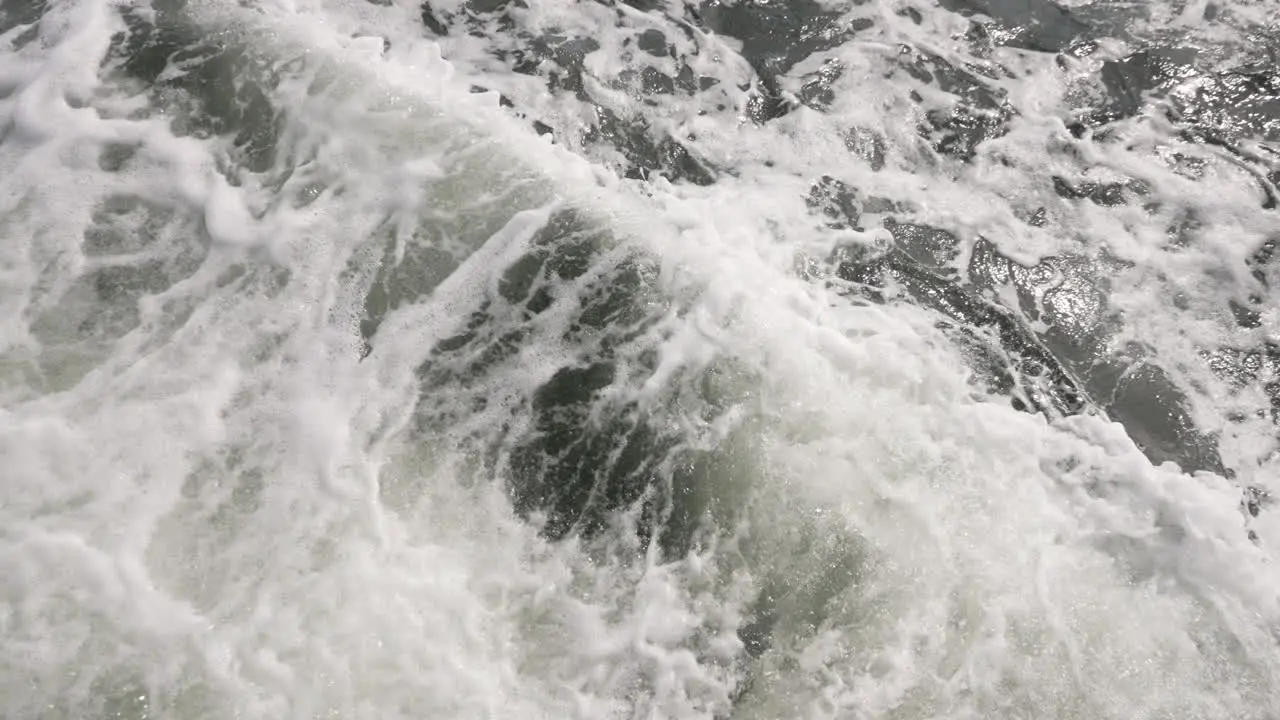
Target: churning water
point(645, 359)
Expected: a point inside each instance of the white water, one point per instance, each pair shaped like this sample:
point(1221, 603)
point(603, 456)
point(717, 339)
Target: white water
point(213, 507)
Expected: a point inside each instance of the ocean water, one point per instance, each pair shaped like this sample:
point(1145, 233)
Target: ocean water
point(646, 359)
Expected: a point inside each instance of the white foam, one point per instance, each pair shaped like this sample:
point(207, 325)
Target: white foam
point(224, 513)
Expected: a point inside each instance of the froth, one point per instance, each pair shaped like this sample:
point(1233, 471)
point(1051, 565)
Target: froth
point(271, 398)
